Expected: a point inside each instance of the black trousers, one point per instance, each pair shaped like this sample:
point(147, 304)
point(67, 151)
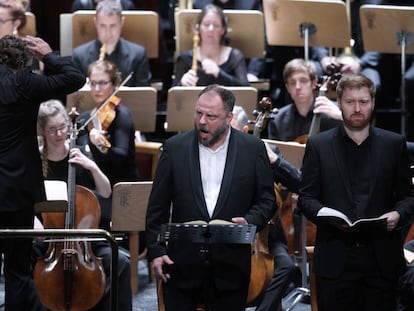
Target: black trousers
point(284, 270)
point(361, 286)
point(17, 266)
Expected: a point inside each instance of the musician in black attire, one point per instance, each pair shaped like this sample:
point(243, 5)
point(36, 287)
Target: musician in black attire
point(294, 120)
point(53, 125)
point(21, 179)
point(284, 267)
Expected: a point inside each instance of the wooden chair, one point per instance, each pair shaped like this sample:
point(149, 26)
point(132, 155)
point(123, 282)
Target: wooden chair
point(146, 158)
point(129, 207)
point(30, 28)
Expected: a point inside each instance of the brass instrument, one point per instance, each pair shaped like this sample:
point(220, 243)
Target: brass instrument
point(102, 52)
point(196, 42)
point(348, 56)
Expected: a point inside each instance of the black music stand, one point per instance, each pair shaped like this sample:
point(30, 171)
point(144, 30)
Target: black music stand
point(304, 23)
point(388, 29)
point(208, 233)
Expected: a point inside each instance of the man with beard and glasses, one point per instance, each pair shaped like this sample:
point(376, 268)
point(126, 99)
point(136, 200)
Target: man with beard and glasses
point(211, 172)
point(363, 172)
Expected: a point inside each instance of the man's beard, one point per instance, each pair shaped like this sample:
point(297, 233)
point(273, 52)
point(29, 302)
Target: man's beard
point(357, 124)
point(215, 136)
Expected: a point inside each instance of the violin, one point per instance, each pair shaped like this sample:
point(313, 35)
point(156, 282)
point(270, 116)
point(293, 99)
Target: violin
point(70, 277)
point(103, 116)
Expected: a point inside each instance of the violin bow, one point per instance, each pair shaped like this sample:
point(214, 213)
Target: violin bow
point(95, 113)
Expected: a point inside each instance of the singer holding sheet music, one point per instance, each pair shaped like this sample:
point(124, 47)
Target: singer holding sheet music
point(363, 172)
point(211, 172)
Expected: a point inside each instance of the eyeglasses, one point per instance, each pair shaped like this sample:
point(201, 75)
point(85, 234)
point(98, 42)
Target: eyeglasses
point(5, 20)
point(63, 129)
point(99, 83)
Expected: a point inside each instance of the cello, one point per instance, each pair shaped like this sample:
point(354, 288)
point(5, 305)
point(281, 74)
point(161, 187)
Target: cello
point(262, 263)
point(70, 277)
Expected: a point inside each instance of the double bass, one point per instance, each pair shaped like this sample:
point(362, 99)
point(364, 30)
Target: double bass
point(70, 277)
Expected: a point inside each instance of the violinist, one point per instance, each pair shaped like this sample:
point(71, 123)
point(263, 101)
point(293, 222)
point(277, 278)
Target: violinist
point(20, 165)
point(284, 267)
point(53, 126)
point(294, 120)
point(116, 160)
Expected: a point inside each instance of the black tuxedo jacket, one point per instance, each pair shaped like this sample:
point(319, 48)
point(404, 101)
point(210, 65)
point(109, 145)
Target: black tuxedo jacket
point(326, 182)
point(127, 56)
point(246, 191)
point(22, 92)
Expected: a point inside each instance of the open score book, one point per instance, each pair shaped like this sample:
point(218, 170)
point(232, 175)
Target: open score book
point(343, 221)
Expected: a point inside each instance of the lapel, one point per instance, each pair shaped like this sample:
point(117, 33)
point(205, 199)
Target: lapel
point(228, 174)
point(195, 177)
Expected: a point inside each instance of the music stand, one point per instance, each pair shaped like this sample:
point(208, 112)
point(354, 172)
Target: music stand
point(304, 23)
point(129, 207)
point(292, 151)
point(246, 31)
point(182, 100)
point(141, 101)
point(388, 29)
point(208, 233)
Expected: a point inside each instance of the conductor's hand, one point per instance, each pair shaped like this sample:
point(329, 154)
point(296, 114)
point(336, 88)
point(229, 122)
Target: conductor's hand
point(392, 219)
point(157, 265)
point(37, 47)
point(325, 106)
point(190, 78)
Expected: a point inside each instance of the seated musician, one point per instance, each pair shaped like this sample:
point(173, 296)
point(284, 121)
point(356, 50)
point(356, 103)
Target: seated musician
point(213, 61)
point(12, 15)
point(294, 120)
point(284, 267)
point(91, 4)
point(112, 148)
point(53, 127)
point(128, 56)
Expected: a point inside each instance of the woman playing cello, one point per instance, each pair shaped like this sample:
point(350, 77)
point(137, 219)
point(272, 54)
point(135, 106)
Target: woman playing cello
point(53, 127)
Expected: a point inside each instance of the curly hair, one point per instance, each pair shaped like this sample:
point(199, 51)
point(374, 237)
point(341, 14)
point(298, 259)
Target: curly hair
point(13, 52)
